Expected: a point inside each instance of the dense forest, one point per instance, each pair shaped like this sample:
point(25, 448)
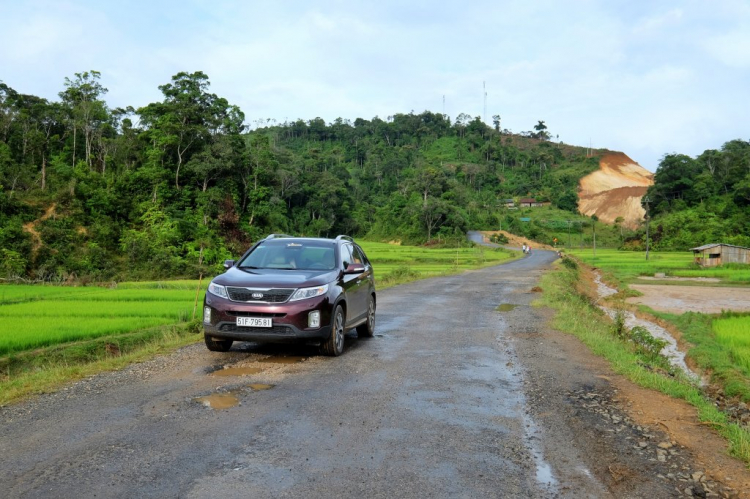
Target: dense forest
point(702, 200)
point(176, 186)
point(173, 188)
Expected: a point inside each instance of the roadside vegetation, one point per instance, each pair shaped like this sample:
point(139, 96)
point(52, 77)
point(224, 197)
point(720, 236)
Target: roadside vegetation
point(571, 293)
point(50, 335)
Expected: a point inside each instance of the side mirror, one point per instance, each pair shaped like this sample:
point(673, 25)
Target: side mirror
point(355, 268)
point(228, 263)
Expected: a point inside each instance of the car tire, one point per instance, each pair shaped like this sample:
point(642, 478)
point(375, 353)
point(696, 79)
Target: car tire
point(218, 345)
point(367, 330)
point(334, 345)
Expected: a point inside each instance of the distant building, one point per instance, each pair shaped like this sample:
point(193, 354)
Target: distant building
point(509, 203)
point(532, 203)
point(711, 255)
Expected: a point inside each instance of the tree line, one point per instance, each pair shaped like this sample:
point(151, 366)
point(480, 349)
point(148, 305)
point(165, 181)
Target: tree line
point(706, 199)
point(175, 187)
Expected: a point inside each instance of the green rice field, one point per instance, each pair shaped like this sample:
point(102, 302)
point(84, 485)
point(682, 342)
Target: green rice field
point(34, 316)
point(734, 334)
point(428, 262)
point(627, 265)
point(38, 316)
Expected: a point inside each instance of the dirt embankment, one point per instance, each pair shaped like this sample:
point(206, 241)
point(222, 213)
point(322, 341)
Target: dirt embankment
point(615, 190)
point(514, 240)
point(30, 227)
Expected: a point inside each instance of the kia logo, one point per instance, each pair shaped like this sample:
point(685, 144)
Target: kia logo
point(257, 296)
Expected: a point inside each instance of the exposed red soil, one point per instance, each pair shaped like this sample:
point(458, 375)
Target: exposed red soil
point(615, 190)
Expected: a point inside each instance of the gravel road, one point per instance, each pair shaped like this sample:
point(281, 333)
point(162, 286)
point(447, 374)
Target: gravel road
point(463, 392)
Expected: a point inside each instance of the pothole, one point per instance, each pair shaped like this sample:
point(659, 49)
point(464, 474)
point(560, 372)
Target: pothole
point(291, 359)
point(237, 371)
point(506, 307)
point(220, 401)
point(258, 387)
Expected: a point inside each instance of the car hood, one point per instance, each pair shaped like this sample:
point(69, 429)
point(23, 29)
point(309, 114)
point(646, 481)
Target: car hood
point(273, 278)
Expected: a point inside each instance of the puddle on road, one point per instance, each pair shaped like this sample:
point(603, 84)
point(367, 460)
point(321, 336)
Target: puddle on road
point(283, 360)
point(259, 387)
point(506, 307)
point(220, 401)
point(237, 371)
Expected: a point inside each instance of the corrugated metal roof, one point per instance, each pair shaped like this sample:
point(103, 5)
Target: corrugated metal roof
point(713, 245)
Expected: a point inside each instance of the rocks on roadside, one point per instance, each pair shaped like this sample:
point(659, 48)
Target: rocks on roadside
point(671, 462)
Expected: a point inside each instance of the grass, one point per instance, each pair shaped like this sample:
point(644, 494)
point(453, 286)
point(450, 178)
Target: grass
point(734, 334)
point(396, 264)
point(47, 369)
point(628, 265)
point(577, 315)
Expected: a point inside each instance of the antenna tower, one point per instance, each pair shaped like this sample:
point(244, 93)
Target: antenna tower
point(484, 90)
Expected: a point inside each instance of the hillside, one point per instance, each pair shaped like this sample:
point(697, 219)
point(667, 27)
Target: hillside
point(615, 190)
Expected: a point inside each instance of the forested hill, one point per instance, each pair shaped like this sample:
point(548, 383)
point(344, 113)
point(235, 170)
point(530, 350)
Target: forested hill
point(175, 187)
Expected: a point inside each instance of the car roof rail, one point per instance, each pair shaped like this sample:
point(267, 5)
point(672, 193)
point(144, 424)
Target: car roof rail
point(275, 236)
point(346, 238)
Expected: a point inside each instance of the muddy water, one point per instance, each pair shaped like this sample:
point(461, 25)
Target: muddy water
point(237, 371)
point(671, 351)
point(220, 401)
point(505, 307)
point(259, 387)
point(283, 360)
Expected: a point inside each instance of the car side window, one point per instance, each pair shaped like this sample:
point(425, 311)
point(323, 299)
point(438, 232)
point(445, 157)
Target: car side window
point(358, 256)
point(346, 255)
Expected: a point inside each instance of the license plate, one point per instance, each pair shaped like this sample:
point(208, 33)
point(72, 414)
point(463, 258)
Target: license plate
point(254, 321)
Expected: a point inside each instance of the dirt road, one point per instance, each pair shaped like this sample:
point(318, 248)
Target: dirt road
point(464, 392)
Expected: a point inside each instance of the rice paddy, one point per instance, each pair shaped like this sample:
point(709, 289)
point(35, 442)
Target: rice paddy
point(734, 334)
point(387, 258)
point(626, 265)
point(38, 316)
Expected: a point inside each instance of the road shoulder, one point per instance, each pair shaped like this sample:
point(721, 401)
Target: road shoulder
point(637, 442)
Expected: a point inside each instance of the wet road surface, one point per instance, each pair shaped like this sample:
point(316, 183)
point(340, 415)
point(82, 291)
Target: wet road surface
point(433, 406)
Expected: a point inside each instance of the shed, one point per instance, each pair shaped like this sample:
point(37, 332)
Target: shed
point(527, 202)
point(509, 203)
point(711, 255)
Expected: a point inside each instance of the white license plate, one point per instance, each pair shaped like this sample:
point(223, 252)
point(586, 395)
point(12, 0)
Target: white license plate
point(254, 321)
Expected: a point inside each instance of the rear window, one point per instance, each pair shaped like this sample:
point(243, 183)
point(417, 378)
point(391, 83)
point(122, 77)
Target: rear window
point(291, 255)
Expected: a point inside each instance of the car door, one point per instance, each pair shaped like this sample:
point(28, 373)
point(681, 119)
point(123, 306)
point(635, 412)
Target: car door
point(355, 287)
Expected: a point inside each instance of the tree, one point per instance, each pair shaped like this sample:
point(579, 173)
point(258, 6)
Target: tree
point(541, 131)
point(496, 122)
point(187, 118)
point(86, 111)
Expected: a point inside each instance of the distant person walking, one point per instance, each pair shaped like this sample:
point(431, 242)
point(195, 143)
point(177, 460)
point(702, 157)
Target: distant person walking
point(523, 248)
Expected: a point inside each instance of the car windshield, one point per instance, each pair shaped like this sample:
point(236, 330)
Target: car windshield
point(291, 255)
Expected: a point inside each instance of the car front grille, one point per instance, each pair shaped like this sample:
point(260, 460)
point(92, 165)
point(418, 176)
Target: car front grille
point(234, 328)
point(267, 295)
point(239, 313)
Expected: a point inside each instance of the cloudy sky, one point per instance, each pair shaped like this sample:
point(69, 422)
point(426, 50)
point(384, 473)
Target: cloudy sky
point(647, 78)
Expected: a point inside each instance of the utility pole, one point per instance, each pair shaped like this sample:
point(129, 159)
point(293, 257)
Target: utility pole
point(593, 227)
point(648, 219)
point(484, 91)
point(570, 222)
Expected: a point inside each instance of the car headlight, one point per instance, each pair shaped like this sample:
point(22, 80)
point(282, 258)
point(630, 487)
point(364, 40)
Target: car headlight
point(305, 293)
point(218, 290)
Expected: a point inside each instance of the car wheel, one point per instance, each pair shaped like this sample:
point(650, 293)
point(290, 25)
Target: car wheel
point(367, 330)
point(334, 345)
point(218, 345)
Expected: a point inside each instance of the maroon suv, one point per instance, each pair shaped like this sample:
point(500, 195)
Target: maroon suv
point(292, 289)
